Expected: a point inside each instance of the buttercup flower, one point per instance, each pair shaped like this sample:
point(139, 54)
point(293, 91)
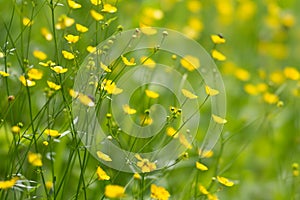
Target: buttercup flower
point(35, 74)
point(71, 38)
point(114, 191)
point(73, 4)
point(151, 94)
point(218, 55)
point(109, 8)
point(188, 94)
point(190, 62)
point(81, 28)
point(218, 39)
point(201, 166)
point(159, 193)
point(145, 164)
point(127, 62)
point(9, 183)
point(35, 159)
point(218, 119)
point(52, 133)
point(26, 82)
point(4, 74)
point(110, 87)
point(225, 181)
point(211, 92)
point(103, 156)
point(59, 69)
point(128, 110)
point(102, 174)
point(39, 55)
point(68, 55)
point(53, 85)
point(97, 16)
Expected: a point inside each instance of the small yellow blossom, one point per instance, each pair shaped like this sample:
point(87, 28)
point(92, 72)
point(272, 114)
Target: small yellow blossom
point(205, 153)
point(110, 87)
point(147, 62)
point(91, 49)
point(67, 55)
point(49, 185)
point(4, 74)
point(114, 191)
point(9, 183)
point(96, 2)
point(27, 21)
point(151, 94)
point(218, 39)
point(81, 28)
point(147, 30)
point(73, 4)
point(109, 8)
point(53, 85)
point(242, 74)
point(218, 119)
point(15, 129)
point(218, 55)
point(277, 77)
point(64, 21)
point(145, 164)
point(46, 33)
point(35, 159)
point(35, 74)
point(291, 73)
point(49, 63)
point(105, 67)
point(212, 197)
point(102, 174)
point(225, 181)
point(26, 82)
point(194, 5)
point(251, 89)
point(201, 166)
point(84, 99)
point(46, 143)
point(137, 176)
point(270, 98)
point(59, 69)
point(159, 193)
point(190, 62)
point(172, 132)
point(72, 38)
point(188, 94)
point(97, 16)
point(103, 156)
point(127, 62)
point(184, 141)
point(52, 133)
point(39, 55)
point(203, 190)
point(295, 168)
point(211, 92)
point(128, 110)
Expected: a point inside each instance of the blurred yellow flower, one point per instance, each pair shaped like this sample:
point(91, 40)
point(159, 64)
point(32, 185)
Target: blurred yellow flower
point(211, 92)
point(128, 110)
point(205, 153)
point(84, 99)
point(203, 190)
point(251, 89)
point(159, 193)
point(53, 86)
point(46, 33)
point(291, 73)
point(15, 129)
point(73, 4)
point(218, 39)
point(194, 5)
point(201, 166)
point(103, 156)
point(242, 74)
point(148, 62)
point(9, 183)
point(184, 141)
point(59, 69)
point(171, 132)
point(49, 63)
point(91, 49)
point(110, 87)
point(102, 174)
point(218, 119)
point(67, 55)
point(127, 62)
point(137, 176)
point(114, 191)
point(52, 133)
point(151, 94)
point(97, 16)
point(109, 8)
point(295, 167)
point(145, 164)
point(190, 62)
point(270, 98)
point(27, 21)
point(147, 30)
point(96, 2)
point(35, 74)
point(63, 22)
point(35, 159)
point(277, 77)
point(72, 38)
point(104, 67)
point(188, 94)
point(218, 55)
point(81, 28)
point(39, 55)
point(4, 74)
point(26, 82)
point(49, 185)
point(225, 181)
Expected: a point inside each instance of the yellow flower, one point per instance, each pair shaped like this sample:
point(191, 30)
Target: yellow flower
point(4, 74)
point(151, 94)
point(251, 89)
point(49, 63)
point(147, 30)
point(194, 6)
point(184, 141)
point(9, 183)
point(67, 55)
point(96, 2)
point(171, 132)
point(46, 143)
point(15, 129)
point(81, 28)
point(188, 94)
point(97, 16)
point(159, 193)
point(242, 74)
point(295, 167)
point(53, 85)
point(137, 176)
point(212, 197)
point(128, 110)
point(35, 159)
point(225, 181)
point(109, 8)
point(52, 133)
point(218, 119)
point(147, 62)
point(26, 82)
point(270, 98)
point(218, 55)
point(291, 73)
point(35, 74)
point(91, 49)
point(73, 4)
point(84, 99)
point(103, 156)
point(203, 190)
point(205, 153)
point(190, 62)
point(145, 164)
point(277, 77)
point(46, 33)
point(218, 39)
point(72, 38)
point(201, 166)
point(49, 185)
point(102, 174)
point(104, 67)
point(114, 191)
point(39, 55)
point(64, 21)
point(27, 21)
point(59, 69)
point(127, 62)
point(110, 87)
point(211, 92)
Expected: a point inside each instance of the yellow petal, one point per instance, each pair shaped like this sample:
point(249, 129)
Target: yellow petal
point(128, 110)
point(152, 94)
point(203, 190)
point(67, 55)
point(86, 100)
point(72, 38)
point(35, 159)
point(190, 62)
point(147, 62)
point(109, 8)
point(225, 181)
point(73, 4)
point(211, 92)
point(35, 74)
point(114, 191)
point(127, 62)
point(172, 132)
point(26, 82)
point(218, 119)
point(218, 55)
point(96, 2)
point(81, 28)
point(217, 39)
point(97, 16)
point(188, 94)
point(39, 55)
point(52, 133)
point(104, 67)
point(53, 85)
point(201, 166)
point(102, 174)
point(103, 156)
point(4, 74)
